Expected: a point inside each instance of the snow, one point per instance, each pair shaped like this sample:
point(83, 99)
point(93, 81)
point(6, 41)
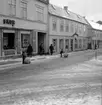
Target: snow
point(53, 100)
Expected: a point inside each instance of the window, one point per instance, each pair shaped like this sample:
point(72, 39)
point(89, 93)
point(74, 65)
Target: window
point(12, 7)
point(8, 41)
point(61, 44)
point(80, 43)
point(80, 29)
point(67, 26)
point(84, 28)
point(72, 27)
point(25, 40)
point(62, 25)
point(76, 27)
point(23, 9)
point(40, 13)
point(54, 24)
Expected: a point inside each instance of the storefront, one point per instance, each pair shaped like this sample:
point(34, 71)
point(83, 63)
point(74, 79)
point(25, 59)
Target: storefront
point(15, 37)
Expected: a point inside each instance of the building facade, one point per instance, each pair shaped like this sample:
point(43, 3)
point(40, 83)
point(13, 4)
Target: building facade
point(67, 29)
point(23, 22)
point(95, 32)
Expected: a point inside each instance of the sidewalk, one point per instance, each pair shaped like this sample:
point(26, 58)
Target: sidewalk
point(38, 57)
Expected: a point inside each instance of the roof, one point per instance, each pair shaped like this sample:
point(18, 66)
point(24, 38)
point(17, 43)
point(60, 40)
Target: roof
point(95, 25)
point(58, 11)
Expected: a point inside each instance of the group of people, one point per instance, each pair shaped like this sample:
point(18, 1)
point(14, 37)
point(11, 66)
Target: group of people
point(41, 49)
point(28, 52)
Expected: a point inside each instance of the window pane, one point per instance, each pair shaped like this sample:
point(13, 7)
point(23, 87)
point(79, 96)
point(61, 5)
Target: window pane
point(13, 10)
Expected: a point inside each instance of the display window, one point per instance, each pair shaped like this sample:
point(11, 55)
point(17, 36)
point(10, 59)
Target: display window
point(61, 43)
point(66, 43)
point(25, 40)
point(8, 41)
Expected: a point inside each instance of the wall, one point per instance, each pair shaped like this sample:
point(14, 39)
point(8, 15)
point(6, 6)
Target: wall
point(64, 33)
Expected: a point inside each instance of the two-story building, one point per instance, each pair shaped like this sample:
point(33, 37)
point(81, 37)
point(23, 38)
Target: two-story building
point(67, 29)
point(23, 22)
point(96, 34)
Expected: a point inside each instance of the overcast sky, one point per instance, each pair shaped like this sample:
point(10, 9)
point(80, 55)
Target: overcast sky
point(92, 9)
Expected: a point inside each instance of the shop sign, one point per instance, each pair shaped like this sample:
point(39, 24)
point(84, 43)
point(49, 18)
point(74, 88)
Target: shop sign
point(9, 22)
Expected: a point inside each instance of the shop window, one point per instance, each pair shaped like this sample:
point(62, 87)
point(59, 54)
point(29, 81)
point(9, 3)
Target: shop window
point(61, 44)
point(8, 41)
point(25, 40)
point(67, 43)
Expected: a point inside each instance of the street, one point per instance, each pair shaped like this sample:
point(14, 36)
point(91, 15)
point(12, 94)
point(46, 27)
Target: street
point(76, 80)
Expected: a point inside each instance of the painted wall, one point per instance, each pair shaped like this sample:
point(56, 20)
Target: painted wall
point(24, 24)
point(64, 33)
point(31, 10)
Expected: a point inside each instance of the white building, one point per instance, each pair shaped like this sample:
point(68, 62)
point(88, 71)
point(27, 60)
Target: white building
point(23, 22)
point(67, 29)
point(95, 33)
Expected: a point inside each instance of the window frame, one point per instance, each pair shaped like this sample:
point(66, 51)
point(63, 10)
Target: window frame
point(54, 24)
point(40, 11)
point(12, 6)
point(23, 6)
point(61, 25)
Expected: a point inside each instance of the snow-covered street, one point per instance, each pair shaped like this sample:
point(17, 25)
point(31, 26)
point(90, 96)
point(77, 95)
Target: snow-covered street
point(58, 81)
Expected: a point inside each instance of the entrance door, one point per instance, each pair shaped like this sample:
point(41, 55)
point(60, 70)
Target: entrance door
point(71, 44)
point(41, 42)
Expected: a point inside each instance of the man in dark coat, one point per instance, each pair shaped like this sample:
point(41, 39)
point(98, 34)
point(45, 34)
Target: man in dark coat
point(51, 49)
point(29, 50)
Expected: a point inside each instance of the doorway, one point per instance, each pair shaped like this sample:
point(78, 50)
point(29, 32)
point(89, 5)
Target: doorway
point(71, 45)
point(41, 42)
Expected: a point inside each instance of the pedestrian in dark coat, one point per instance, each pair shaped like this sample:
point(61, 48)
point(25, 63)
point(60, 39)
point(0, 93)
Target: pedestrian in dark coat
point(51, 49)
point(61, 52)
point(29, 50)
point(23, 57)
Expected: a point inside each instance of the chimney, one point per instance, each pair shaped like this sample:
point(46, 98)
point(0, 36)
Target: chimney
point(66, 8)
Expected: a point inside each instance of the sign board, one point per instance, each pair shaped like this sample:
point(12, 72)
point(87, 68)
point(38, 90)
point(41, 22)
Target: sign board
point(9, 22)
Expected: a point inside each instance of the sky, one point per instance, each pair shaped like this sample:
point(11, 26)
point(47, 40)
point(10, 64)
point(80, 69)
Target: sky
point(91, 9)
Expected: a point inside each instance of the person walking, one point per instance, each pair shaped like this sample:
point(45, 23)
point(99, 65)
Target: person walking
point(61, 52)
point(29, 50)
point(51, 49)
point(23, 57)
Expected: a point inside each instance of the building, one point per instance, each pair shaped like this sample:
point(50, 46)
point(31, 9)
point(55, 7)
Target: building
point(23, 22)
point(67, 29)
point(95, 31)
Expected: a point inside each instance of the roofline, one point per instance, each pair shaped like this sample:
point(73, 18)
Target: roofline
point(96, 29)
point(68, 18)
